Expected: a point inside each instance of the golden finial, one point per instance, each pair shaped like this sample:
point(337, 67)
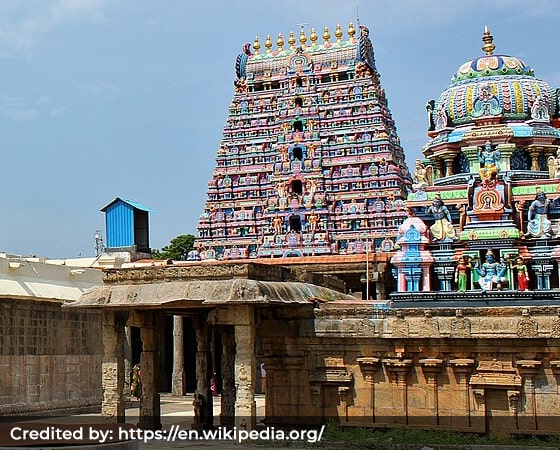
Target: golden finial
point(326, 35)
point(292, 40)
point(351, 31)
point(280, 42)
point(313, 37)
point(488, 40)
point(256, 45)
point(302, 37)
point(338, 33)
point(268, 44)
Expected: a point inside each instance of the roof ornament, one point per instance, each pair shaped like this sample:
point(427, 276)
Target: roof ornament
point(488, 40)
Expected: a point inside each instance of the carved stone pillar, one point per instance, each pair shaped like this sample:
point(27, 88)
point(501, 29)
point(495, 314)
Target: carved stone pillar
point(178, 377)
point(227, 413)
point(127, 355)
point(462, 368)
point(150, 407)
point(399, 368)
point(245, 368)
point(426, 278)
point(471, 152)
point(432, 367)
point(448, 160)
point(112, 406)
point(204, 418)
point(506, 150)
point(534, 151)
point(369, 366)
point(555, 366)
point(528, 369)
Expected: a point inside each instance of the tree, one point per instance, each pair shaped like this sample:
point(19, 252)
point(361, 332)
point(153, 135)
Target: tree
point(178, 248)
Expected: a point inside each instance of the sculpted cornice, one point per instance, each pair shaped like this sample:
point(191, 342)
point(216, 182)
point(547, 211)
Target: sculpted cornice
point(498, 323)
point(201, 271)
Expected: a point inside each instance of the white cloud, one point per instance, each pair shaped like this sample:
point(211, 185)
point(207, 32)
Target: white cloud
point(22, 115)
point(58, 110)
point(23, 25)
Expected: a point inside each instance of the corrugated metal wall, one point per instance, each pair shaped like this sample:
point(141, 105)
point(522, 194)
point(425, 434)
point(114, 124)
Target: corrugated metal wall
point(119, 223)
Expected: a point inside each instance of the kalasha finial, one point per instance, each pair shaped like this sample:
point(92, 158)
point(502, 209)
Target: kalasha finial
point(488, 40)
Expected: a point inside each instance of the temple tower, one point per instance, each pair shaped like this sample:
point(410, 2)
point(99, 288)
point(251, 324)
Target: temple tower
point(310, 162)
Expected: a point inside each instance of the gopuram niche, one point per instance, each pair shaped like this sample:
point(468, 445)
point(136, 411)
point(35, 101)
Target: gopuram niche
point(487, 189)
point(309, 162)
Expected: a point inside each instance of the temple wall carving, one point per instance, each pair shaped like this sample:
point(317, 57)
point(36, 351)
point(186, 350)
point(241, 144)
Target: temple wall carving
point(474, 369)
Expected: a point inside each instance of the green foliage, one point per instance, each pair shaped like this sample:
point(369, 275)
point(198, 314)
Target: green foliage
point(178, 248)
point(336, 437)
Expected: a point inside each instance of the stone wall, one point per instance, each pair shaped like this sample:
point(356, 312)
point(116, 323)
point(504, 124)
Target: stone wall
point(476, 369)
point(50, 358)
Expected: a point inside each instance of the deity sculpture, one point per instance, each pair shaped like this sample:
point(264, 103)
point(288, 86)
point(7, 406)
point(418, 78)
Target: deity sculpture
point(491, 273)
point(277, 224)
point(522, 274)
point(442, 228)
point(489, 158)
point(461, 273)
point(539, 226)
point(423, 176)
point(554, 165)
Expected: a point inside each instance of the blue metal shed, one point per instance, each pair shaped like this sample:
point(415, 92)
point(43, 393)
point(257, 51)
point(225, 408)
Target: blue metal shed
point(127, 225)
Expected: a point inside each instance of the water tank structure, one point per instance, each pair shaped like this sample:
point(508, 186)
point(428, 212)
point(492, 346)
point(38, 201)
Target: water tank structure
point(127, 226)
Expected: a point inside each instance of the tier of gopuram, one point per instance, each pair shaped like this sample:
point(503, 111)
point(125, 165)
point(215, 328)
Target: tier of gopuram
point(374, 294)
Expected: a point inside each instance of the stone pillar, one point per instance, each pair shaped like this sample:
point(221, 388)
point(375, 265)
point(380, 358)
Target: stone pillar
point(432, 367)
point(399, 368)
point(227, 413)
point(471, 152)
point(178, 376)
point(462, 368)
point(448, 162)
point(534, 151)
point(506, 150)
point(204, 413)
point(529, 369)
point(426, 279)
point(369, 366)
point(150, 407)
point(112, 406)
point(127, 354)
point(245, 362)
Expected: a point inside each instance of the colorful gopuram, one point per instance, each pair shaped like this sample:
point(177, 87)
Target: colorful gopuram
point(310, 162)
point(484, 207)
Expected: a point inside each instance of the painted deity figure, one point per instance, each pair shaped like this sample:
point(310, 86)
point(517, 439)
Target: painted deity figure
point(489, 158)
point(491, 273)
point(554, 165)
point(461, 274)
point(522, 274)
point(277, 224)
point(313, 221)
point(539, 226)
point(423, 176)
point(442, 228)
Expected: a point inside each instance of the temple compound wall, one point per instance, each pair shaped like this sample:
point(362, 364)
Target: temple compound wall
point(328, 355)
point(475, 369)
point(50, 358)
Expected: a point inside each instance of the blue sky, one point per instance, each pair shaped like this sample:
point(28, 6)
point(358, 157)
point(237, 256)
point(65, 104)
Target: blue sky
point(127, 98)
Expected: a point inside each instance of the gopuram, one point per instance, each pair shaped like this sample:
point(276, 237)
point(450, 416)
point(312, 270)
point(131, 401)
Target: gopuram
point(310, 162)
point(373, 297)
